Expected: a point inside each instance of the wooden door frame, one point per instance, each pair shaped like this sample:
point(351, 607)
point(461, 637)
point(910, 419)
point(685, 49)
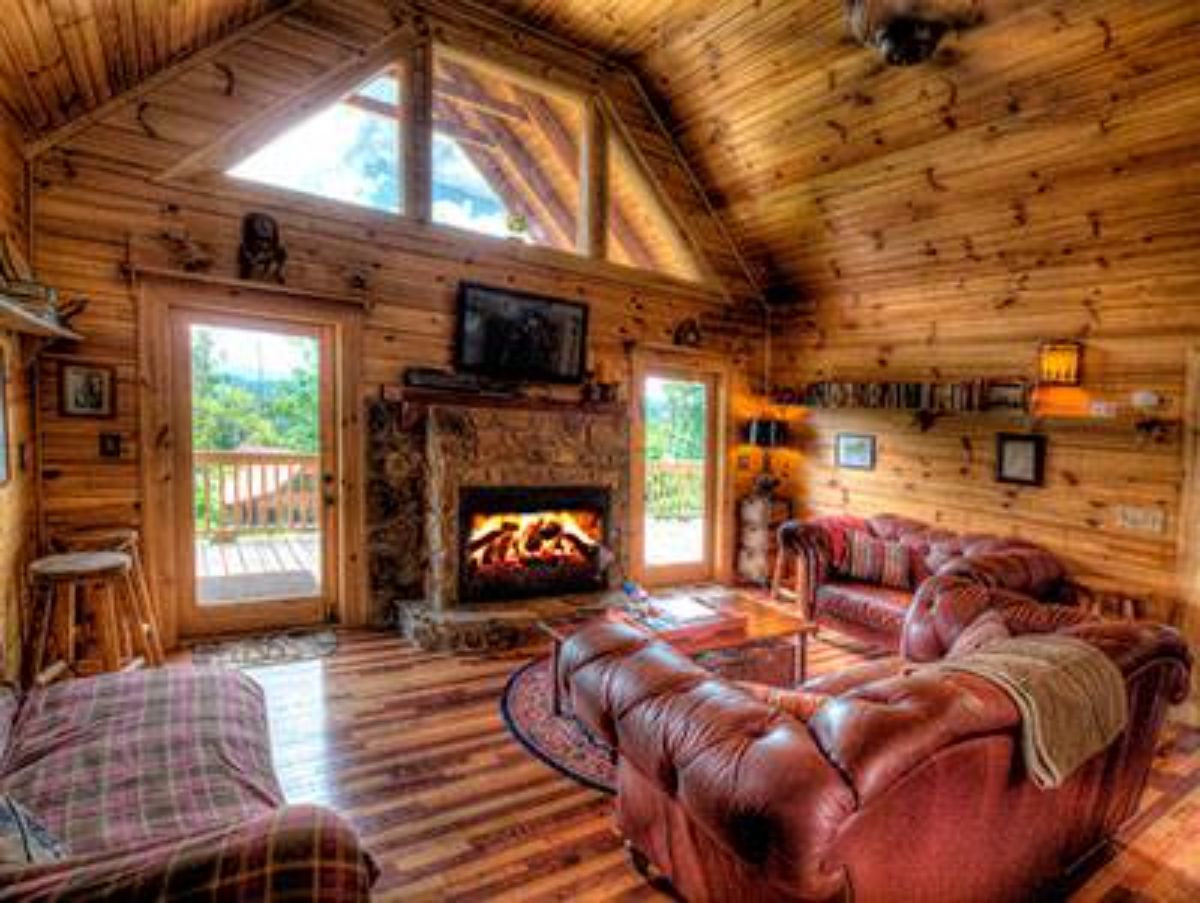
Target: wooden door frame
point(689, 364)
point(157, 299)
point(197, 620)
point(1189, 529)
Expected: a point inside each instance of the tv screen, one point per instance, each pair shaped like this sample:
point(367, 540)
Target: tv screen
point(520, 337)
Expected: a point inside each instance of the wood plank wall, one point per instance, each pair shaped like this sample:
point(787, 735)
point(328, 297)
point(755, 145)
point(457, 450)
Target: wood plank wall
point(1054, 195)
point(97, 197)
point(18, 495)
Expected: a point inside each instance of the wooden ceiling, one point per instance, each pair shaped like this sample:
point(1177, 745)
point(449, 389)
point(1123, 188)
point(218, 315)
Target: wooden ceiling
point(790, 126)
point(63, 58)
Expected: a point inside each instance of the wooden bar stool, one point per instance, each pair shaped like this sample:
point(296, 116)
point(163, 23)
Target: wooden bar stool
point(62, 583)
point(128, 542)
point(790, 556)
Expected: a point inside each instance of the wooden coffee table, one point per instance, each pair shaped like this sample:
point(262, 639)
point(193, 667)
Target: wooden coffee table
point(756, 630)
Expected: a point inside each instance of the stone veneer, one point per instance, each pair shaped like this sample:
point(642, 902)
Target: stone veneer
point(512, 447)
point(419, 458)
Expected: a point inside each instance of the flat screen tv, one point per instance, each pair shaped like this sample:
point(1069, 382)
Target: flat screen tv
point(520, 337)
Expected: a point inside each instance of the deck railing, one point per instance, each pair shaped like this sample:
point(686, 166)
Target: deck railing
point(244, 492)
point(675, 489)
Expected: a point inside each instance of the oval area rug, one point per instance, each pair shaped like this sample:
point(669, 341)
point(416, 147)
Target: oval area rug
point(561, 743)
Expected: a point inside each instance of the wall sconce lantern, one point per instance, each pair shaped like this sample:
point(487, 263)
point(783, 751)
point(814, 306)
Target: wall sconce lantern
point(1060, 364)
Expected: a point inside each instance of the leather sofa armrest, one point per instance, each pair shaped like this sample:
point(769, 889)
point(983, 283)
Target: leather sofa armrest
point(1133, 646)
point(878, 733)
point(749, 776)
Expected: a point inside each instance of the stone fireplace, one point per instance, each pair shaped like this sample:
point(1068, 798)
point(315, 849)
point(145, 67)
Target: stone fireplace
point(541, 489)
point(530, 542)
point(528, 462)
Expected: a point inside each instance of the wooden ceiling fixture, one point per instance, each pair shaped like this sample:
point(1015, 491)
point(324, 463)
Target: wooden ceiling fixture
point(907, 32)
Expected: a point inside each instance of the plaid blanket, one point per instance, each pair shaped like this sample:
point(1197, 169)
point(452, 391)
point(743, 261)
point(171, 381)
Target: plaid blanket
point(160, 784)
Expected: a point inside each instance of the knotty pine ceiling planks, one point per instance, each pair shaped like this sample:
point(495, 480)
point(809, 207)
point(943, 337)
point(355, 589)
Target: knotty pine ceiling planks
point(63, 58)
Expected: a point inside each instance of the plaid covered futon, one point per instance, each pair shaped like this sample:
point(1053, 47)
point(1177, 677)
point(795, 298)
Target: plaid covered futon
point(160, 784)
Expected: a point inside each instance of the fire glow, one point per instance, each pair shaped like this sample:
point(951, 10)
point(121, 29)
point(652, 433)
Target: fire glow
point(538, 539)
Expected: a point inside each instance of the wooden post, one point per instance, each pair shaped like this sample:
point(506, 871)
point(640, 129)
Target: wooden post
point(418, 113)
point(1189, 534)
point(594, 187)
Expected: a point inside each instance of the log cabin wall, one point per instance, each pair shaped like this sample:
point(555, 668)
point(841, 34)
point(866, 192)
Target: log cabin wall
point(1040, 182)
point(101, 198)
point(17, 496)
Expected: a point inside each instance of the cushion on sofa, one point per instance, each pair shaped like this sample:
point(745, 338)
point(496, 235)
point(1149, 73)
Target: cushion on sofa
point(878, 608)
point(124, 759)
point(874, 560)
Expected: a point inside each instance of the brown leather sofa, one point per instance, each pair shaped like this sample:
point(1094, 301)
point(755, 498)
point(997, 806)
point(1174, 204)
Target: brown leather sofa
point(874, 612)
point(904, 786)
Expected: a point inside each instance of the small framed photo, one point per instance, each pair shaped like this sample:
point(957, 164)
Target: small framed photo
point(87, 390)
point(1021, 459)
point(856, 451)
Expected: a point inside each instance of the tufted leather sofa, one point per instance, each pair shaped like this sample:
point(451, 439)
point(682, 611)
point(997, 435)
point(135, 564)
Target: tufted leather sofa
point(903, 786)
point(876, 613)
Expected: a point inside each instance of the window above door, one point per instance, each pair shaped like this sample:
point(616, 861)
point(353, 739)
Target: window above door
point(509, 155)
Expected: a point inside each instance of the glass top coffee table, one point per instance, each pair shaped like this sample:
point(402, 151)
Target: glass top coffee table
point(744, 639)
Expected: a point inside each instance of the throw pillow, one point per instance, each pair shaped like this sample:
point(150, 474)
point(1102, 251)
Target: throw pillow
point(866, 557)
point(23, 839)
point(983, 631)
point(897, 566)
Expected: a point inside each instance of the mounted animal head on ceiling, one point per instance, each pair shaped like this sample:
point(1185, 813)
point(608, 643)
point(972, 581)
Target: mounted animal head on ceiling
point(907, 32)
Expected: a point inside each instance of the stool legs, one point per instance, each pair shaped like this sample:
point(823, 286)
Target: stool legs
point(109, 629)
point(143, 607)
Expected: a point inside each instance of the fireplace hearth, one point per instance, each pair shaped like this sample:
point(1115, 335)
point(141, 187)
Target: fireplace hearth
point(527, 542)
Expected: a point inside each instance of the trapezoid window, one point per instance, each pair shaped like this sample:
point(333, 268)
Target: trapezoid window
point(506, 154)
point(641, 232)
point(350, 152)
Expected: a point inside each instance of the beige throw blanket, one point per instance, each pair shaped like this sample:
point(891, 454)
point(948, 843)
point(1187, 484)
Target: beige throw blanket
point(1070, 695)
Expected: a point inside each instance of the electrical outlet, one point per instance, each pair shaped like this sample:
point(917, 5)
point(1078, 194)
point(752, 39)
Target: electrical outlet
point(1149, 519)
point(1105, 410)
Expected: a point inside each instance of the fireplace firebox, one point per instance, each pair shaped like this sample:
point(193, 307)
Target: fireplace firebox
point(521, 542)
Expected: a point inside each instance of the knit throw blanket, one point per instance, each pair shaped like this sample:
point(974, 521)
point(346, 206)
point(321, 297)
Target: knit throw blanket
point(1070, 695)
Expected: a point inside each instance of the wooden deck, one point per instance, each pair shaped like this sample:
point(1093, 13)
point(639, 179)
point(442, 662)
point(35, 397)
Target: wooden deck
point(249, 568)
point(410, 747)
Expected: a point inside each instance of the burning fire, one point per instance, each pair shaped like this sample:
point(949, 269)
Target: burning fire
point(549, 537)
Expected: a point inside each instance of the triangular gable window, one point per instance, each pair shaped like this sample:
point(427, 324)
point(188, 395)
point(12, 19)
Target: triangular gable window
point(641, 231)
point(349, 152)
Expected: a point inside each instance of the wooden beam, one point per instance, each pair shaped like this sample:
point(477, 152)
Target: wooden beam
point(418, 109)
point(67, 131)
point(310, 99)
point(594, 190)
point(480, 100)
point(446, 123)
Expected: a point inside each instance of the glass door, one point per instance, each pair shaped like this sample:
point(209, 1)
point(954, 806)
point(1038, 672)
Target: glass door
point(678, 471)
point(255, 415)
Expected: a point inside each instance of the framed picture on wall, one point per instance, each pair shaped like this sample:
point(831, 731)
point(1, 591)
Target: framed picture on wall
point(1021, 459)
point(87, 390)
point(855, 451)
point(5, 459)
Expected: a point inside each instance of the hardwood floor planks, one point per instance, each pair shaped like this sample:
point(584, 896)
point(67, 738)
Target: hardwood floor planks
point(410, 746)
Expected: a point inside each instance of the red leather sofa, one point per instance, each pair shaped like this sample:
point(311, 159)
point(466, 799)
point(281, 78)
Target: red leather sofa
point(875, 612)
point(904, 786)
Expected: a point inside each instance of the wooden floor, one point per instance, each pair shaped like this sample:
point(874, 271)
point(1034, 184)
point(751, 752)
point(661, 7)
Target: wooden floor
point(273, 566)
point(411, 747)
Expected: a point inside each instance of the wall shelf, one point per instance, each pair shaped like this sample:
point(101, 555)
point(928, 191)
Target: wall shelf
point(16, 316)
